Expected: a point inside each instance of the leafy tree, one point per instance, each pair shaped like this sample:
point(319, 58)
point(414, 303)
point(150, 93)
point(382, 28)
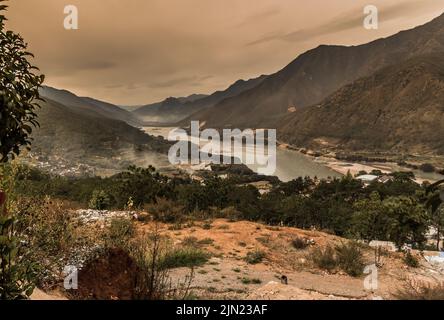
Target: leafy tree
point(408, 220)
point(19, 97)
point(434, 202)
point(370, 219)
point(19, 92)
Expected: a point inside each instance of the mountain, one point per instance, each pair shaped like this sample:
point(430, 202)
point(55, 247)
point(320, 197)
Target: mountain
point(89, 106)
point(316, 74)
point(174, 110)
point(399, 109)
point(73, 134)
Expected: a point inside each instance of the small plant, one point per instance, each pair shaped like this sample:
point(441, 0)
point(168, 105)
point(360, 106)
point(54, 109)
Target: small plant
point(242, 244)
point(120, 231)
point(411, 260)
point(420, 291)
point(324, 258)
point(152, 280)
point(100, 200)
point(350, 258)
point(166, 211)
point(207, 226)
point(251, 281)
point(255, 257)
point(190, 242)
point(299, 243)
point(237, 270)
point(184, 257)
point(206, 242)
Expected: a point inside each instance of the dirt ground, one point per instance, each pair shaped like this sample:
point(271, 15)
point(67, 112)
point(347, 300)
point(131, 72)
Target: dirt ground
point(227, 275)
point(223, 276)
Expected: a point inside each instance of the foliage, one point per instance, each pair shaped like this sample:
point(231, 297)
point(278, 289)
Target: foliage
point(100, 200)
point(411, 260)
point(350, 258)
point(324, 258)
point(184, 257)
point(166, 211)
point(299, 243)
point(255, 257)
point(121, 230)
point(152, 280)
point(16, 274)
point(420, 291)
point(19, 92)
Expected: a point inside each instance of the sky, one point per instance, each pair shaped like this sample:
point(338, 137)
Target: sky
point(135, 52)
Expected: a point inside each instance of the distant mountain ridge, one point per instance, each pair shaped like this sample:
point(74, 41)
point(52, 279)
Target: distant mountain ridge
point(399, 109)
point(90, 106)
point(77, 135)
point(173, 110)
point(316, 74)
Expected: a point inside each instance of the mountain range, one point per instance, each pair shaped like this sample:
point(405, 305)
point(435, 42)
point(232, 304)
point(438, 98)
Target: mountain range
point(174, 110)
point(399, 108)
point(318, 73)
point(86, 130)
point(386, 95)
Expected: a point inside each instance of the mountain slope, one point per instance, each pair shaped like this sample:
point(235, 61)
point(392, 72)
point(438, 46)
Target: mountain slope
point(89, 106)
point(174, 110)
point(71, 133)
point(399, 108)
point(318, 73)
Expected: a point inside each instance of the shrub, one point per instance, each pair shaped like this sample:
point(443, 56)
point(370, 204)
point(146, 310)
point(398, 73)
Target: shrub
point(207, 226)
point(350, 258)
point(231, 213)
point(411, 260)
point(255, 257)
point(120, 231)
point(190, 242)
point(299, 243)
point(420, 291)
point(427, 167)
point(251, 281)
point(100, 200)
point(152, 280)
point(324, 258)
point(166, 211)
point(184, 257)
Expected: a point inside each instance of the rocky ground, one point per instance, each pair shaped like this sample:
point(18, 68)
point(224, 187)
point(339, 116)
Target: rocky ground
point(227, 275)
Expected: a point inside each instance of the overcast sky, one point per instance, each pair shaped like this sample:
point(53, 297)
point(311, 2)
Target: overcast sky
point(133, 52)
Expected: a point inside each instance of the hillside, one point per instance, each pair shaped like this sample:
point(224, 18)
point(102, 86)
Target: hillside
point(174, 110)
point(75, 135)
point(89, 106)
point(316, 74)
point(399, 108)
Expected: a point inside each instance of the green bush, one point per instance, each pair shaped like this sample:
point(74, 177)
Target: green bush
point(350, 258)
point(166, 211)
point(100, 200)
point(420, 291)
point(255, 257)
point(184, 257)
point(411, 260)
point(251, 281)
point(299, 243)
point(324, 258)
point(120, 231)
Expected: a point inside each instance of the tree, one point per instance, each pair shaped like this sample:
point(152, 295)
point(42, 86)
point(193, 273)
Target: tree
point(434, 202)
point(370, 219)
point(408, 220)
point(19, 92)
point(19, 97)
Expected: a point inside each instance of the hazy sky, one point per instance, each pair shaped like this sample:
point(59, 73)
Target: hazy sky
point(139, 51)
